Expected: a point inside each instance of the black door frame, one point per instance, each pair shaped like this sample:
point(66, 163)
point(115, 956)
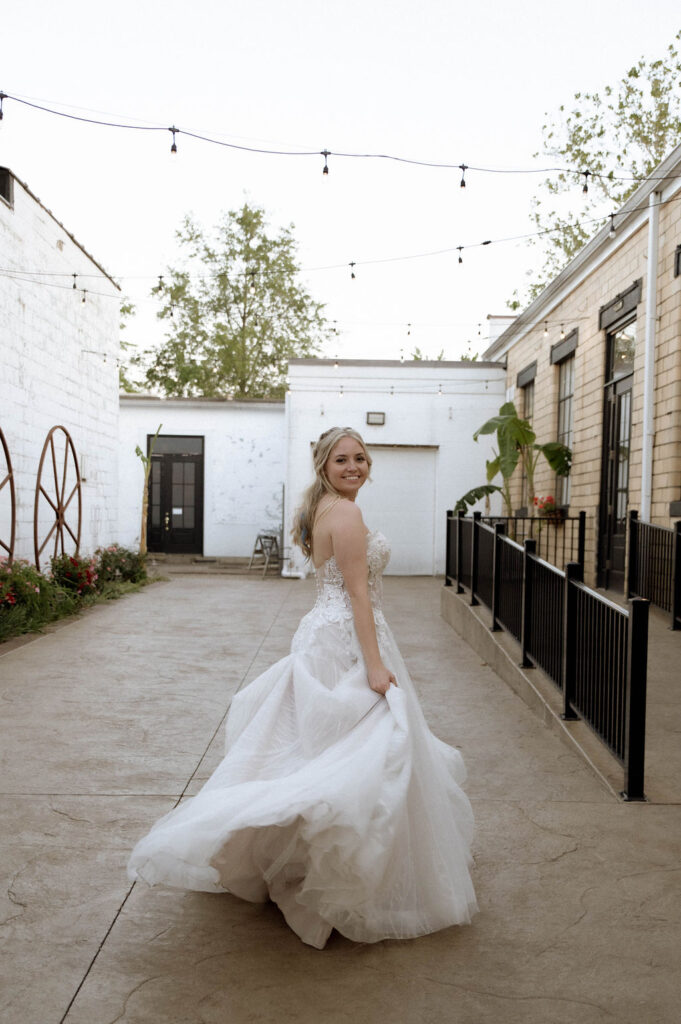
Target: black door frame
point(166, 532)
point(612, 528)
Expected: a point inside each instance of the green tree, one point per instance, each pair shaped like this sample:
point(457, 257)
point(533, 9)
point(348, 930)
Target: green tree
point(124, 382)
point(419, 356)
point(235, 312)
point(619, 136)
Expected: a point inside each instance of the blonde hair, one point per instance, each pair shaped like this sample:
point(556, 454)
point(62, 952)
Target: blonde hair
point(305, 515)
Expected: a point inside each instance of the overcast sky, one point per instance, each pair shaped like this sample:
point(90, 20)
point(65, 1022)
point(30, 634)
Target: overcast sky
point(440, 80)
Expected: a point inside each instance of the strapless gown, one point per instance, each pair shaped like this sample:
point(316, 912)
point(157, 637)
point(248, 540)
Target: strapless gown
point(338, 804)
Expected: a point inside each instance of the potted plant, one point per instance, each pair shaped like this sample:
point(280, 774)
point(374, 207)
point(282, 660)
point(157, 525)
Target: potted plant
point(548, 509)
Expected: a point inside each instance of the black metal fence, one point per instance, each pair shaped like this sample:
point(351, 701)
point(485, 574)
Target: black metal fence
point(560, 539)
point(654, 568)
point(592, 649)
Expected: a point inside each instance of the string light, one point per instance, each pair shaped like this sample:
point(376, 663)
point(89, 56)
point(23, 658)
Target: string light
point(546, 328)
point(335, 363)
point(75, 276)
point(352, 270)
point(460, 250)
point(612, 233)
point(340, 393)
point(408, 329)
point(562, 331)
point(585, 186)
point(326, 153)
point(82, 301)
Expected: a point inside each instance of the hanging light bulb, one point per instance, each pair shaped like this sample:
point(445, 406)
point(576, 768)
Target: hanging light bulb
point(562, 332)
point(463, 168)
point(325, 153)
point(75, 276)
point(439, 390)
point(408, 329)
point(460, 249)
point(335, 363)
point(352, 271)
point(401, 355)
point(585, 186)
point(173, 148)
point(340, 393)
point(160, 280)
point(172, 310)
point(546, 328)
point(82, 301)
point(612, 233)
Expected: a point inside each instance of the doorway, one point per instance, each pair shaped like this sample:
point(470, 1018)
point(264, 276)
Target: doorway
point(175, 514)
point(621, 344)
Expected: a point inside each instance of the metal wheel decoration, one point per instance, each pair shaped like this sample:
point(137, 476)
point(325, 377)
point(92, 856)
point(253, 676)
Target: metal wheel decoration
point(58, 508)
point(7, 485)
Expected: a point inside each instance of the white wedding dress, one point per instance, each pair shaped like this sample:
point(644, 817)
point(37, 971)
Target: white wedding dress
point(336, 803)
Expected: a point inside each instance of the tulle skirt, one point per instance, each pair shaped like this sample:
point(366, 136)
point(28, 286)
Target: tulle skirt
point(337, 804)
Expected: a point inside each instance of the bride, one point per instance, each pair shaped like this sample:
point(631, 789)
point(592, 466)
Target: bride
point(334, 798)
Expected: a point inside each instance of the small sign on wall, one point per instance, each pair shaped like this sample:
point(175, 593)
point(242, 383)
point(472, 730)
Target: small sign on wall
point(375, 419)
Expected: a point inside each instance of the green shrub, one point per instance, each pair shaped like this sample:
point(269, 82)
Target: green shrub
point(116, 564)
point(75, 574)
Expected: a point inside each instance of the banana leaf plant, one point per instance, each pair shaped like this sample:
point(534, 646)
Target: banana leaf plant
point(516, 443)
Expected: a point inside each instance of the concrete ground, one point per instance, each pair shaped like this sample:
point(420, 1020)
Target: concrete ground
point(110, 720)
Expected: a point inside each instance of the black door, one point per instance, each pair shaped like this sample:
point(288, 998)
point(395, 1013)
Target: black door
point(616, 458)
point(175, 517)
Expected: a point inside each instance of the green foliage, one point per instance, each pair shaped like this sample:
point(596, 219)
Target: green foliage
point(622, 132)
point(471, 497)
point(516, 444)
point(420, 356)
point(116, 563)
point(124, 382)
point(235, 312)
point(30, 600)
point(73, 573)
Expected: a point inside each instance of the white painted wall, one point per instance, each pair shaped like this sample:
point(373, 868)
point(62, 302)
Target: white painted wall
point(58, 365)
point(244, 463)
point(432, 410)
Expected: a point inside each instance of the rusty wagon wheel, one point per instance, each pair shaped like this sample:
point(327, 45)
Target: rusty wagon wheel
point(56, 514)
point(8, 523)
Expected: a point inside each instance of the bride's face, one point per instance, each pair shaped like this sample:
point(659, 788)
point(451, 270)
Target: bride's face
point(346, 467)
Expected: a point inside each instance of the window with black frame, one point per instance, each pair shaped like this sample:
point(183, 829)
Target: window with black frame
point(525, 382)
point(566, 392)
point(563, 356)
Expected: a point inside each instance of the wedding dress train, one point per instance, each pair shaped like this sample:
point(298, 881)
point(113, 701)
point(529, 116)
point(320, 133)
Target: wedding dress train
point(338, 804)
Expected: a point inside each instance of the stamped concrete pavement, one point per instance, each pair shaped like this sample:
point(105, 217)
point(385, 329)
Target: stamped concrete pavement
point(110, 720)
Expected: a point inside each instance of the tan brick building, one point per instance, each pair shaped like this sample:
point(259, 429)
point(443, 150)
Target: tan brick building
point(595, 361)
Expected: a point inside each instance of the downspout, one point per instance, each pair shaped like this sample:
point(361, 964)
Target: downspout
point(649, 358)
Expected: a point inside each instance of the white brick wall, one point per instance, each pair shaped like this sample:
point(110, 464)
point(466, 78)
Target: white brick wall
point(58, 365)
point(244, 466)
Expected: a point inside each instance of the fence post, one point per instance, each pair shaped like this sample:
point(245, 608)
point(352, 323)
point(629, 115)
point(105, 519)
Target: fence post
point(676, 576)
point(581, 538)
point(474, 556)
point(529, 549)
point(496, 575)
point(632, 550)
point(635, 697)
point(574, 573)
point(459, 550)
point(448, 548)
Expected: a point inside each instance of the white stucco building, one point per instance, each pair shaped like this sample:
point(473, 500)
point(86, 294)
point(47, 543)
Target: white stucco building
point(59, 325)
point(225, 471)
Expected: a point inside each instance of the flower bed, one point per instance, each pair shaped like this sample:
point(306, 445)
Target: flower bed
point(30, 599)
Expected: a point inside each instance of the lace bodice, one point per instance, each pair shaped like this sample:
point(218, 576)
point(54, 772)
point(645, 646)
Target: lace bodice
point(333, 601)
point(330, 579)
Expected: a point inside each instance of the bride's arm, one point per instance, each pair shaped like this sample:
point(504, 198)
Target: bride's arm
point(348, 537)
